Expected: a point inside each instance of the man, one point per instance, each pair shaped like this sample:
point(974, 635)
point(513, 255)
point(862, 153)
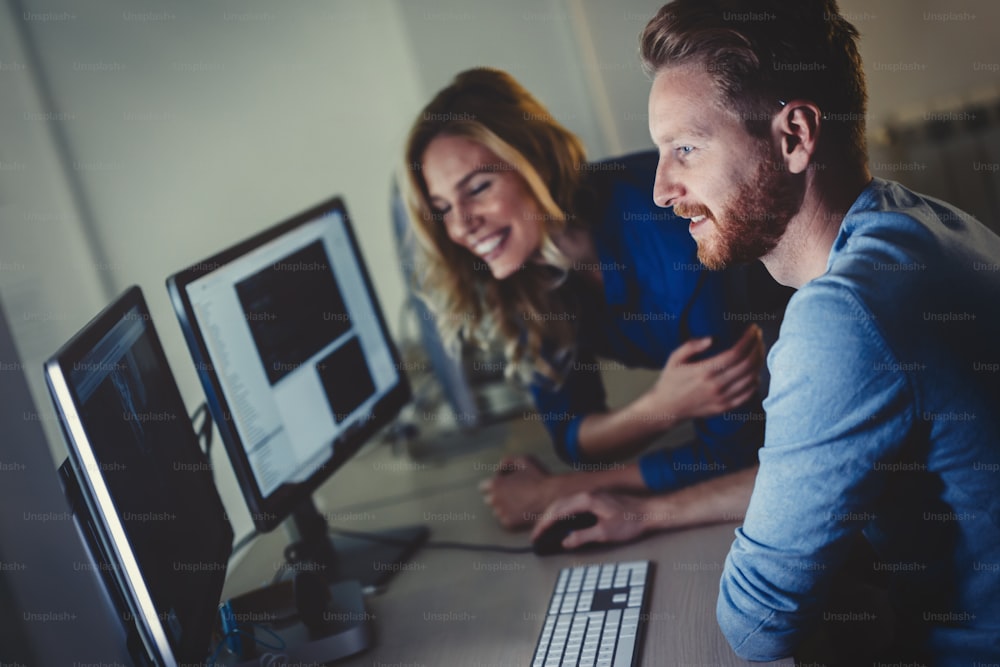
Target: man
point(883, 418)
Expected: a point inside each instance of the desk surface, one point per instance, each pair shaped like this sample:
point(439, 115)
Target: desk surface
point(450, 607)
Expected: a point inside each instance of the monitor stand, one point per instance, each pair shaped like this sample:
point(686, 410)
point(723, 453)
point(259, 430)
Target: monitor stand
point(326, 595)
point(370, 560)
point(303, 620)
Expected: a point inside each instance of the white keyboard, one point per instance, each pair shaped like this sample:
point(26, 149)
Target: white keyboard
point(595, 617)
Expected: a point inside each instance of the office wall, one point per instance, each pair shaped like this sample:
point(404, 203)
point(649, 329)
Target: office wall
point(48, 273)
point(537, 41)
point(920, 54)
point(933, 71)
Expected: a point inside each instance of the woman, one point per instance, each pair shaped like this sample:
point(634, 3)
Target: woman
point(566, 262)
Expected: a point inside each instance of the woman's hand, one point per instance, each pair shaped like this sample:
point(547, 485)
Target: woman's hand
point(688, 388)
point(519, 491)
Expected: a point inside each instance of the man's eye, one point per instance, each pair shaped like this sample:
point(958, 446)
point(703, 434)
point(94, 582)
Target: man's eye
point(684, 150)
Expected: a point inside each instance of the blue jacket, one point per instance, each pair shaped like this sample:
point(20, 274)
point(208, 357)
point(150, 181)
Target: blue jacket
point(656, 295)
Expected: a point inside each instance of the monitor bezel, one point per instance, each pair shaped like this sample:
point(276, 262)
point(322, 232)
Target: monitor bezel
point(268, 512)
point(83, 460)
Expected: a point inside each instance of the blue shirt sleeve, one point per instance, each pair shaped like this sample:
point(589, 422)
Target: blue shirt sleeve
point(836, 407)
point(724, 443)
point(562, 409)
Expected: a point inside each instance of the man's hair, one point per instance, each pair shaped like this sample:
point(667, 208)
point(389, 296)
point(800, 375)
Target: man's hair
point(761, 51)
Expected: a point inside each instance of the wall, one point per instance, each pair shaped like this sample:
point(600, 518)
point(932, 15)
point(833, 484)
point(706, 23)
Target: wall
point(536, 41)
point(48, 273)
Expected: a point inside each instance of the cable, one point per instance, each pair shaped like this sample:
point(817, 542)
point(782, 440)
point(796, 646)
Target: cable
point(461, 546)
point(465, 546)
point(432, 544)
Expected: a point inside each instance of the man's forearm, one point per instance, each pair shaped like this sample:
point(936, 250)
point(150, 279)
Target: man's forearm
point(600, 477)
point(717, 500)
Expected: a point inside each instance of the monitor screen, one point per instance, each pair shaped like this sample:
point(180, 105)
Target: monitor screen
point(147, 486)
point(293, 353)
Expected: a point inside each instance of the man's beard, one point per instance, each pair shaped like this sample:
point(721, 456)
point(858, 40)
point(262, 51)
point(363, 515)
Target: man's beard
point(751, 222)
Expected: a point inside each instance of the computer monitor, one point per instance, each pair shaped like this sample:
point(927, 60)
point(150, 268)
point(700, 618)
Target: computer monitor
point(136, 473)
point(46, 571)
point(300, 371)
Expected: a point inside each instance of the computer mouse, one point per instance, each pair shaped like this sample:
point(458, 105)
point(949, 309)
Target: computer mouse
point(550, 541)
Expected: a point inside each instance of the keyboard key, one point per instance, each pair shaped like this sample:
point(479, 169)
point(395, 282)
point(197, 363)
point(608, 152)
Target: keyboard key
point(575, 581)
point(623, 655)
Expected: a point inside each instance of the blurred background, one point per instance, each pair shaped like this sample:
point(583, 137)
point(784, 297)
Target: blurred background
point(137, 138)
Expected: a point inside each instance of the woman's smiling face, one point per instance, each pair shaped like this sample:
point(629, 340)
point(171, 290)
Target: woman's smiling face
point(484, 203)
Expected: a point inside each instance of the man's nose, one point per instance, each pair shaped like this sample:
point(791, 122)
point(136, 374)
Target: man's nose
point(666, 188)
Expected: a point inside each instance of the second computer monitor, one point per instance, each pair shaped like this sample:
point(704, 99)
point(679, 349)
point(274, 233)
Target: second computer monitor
point(293, 353)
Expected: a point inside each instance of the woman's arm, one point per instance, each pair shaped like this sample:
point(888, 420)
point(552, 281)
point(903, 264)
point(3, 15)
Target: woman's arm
point(523, 488)
point(685, 389)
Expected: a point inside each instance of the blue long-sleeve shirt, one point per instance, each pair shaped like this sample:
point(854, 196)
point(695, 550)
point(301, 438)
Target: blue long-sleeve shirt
point(883, 418)
point(656, 295)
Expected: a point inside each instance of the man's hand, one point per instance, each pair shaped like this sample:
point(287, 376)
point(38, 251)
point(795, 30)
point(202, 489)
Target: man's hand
point(519, 491)
point(620, 517)
point(688, 388)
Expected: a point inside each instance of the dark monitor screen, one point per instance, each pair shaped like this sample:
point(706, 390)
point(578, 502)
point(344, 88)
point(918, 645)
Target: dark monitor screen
point(294, 355)
point(144, 478)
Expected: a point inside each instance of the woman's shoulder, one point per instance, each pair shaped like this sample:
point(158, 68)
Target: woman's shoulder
point(633, 169)
point(620, 189)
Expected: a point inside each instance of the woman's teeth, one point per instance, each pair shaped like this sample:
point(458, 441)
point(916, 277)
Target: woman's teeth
point(488, 245)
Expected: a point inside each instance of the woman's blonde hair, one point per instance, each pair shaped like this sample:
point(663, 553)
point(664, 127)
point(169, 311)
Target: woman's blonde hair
point(533, 306)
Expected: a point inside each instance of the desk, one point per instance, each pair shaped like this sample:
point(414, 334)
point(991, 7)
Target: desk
point(455, 608)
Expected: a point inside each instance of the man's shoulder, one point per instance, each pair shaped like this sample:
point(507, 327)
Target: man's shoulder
point(825, 305)
point(896, 248)
point(890, 219)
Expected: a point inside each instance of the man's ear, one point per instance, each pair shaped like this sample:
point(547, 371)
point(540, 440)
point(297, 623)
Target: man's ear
point(797, 128)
